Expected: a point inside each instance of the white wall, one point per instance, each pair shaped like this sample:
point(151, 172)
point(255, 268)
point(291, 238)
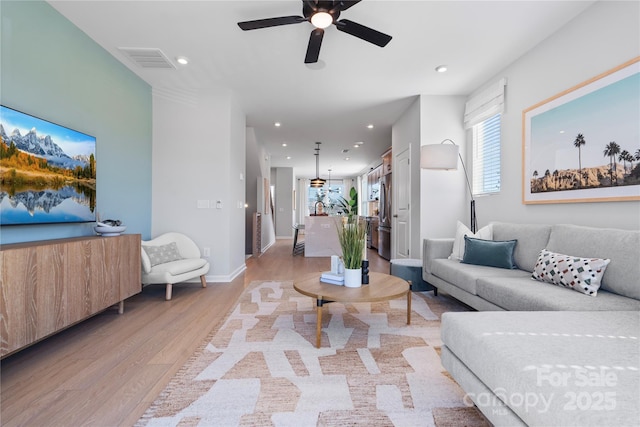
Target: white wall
point(405, 134)
point(284, 185)
point(604, 36)
point(258, 168)
point(52, 70)
point(199, 154)
point(439, 198)
point(236, 184)
point(444, 195)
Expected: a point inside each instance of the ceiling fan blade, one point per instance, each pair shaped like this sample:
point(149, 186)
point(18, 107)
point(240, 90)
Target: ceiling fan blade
point(362, 32)
point(270, 22)
point(311, 4)
point(313, 50)
point(344, 5)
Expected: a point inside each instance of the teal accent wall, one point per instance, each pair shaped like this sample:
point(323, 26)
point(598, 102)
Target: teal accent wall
point(51, 69)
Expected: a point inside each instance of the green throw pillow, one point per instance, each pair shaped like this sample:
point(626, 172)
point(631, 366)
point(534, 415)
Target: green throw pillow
point(491, 253)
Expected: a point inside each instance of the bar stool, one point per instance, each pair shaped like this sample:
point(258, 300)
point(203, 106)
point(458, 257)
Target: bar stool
point(297, 247)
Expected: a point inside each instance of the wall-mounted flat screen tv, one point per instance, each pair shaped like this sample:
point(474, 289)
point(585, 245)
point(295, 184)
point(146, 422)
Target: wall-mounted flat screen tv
point(47, 171)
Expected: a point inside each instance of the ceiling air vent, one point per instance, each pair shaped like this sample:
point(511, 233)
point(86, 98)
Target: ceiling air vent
point(147, 57)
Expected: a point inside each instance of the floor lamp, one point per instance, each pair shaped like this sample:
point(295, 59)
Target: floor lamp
point(445, 156)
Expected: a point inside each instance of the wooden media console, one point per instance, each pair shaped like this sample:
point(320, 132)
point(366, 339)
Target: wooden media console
point(47, 286)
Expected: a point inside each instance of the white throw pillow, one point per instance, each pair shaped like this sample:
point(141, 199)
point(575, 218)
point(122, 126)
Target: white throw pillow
point(485, 233)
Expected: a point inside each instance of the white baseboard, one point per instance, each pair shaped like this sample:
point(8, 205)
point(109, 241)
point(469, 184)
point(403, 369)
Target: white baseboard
point(222, 278)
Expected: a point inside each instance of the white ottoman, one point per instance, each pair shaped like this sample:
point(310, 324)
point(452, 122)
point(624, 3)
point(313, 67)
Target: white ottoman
point(410, 269)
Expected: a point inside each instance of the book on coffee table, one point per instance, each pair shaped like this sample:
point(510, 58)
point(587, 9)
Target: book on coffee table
point(333, 278)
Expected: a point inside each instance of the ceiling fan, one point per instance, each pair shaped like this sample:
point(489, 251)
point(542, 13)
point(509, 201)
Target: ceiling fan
point(322, 13)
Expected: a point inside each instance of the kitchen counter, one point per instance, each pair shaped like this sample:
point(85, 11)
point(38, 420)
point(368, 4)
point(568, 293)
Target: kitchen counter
point(321, 236)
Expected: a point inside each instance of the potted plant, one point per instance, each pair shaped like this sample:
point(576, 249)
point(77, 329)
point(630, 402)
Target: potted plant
point(349, 207)
point(352, 234)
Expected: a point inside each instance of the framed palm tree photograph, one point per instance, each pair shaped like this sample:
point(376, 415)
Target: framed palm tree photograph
point(583, 144)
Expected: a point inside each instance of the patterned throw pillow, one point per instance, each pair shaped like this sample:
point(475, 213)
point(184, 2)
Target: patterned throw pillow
point(162, 253)
point(580, 274)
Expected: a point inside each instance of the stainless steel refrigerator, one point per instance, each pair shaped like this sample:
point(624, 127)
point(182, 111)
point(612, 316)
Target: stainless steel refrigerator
point(384, 229)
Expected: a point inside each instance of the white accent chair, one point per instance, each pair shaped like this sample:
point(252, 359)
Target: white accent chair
point(172, 266)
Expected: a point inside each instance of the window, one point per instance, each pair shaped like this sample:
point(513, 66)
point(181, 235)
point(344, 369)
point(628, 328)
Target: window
point(486, 156)
point(328, 195)
point(482, 115)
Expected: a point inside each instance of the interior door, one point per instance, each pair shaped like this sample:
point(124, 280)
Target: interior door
point(401, 237)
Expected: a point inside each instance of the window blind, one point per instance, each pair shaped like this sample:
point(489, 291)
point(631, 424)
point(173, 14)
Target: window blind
point(486, 156)
point(485, 104)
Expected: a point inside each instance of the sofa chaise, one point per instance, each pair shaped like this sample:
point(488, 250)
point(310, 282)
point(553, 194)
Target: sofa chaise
point(539, 353)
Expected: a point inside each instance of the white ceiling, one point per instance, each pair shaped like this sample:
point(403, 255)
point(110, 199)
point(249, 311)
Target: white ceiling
point(354, 84)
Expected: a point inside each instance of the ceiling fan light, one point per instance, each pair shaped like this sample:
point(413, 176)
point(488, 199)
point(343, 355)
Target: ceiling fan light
point(321, 19)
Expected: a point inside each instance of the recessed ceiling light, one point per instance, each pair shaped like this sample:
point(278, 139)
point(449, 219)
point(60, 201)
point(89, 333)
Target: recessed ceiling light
point(284, 144)
point(441, 68)
point(182, 60)
point(369, 126)
point(277, 124)
point(288, 157)
point(358, 144)
point(347, 158)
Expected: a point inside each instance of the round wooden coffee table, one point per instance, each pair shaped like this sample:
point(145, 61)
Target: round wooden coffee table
point(381, 287)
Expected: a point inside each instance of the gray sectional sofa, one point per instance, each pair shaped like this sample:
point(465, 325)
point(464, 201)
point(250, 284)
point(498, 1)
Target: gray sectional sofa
point(539, 353)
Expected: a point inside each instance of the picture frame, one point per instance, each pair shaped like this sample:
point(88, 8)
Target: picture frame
point(574, 150)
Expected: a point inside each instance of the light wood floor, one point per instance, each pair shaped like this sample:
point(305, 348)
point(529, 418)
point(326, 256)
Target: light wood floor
point(108, 369)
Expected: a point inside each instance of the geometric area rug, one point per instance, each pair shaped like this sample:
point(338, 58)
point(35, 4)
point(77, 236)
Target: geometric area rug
point(260, 367)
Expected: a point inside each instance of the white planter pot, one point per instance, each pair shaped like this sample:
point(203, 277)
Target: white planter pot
point(353, 277)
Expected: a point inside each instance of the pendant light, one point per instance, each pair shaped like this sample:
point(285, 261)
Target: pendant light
point(317, 182)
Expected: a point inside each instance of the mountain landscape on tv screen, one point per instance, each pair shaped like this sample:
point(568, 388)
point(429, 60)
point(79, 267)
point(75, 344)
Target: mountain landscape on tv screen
point(39, 182)
point(42, 146)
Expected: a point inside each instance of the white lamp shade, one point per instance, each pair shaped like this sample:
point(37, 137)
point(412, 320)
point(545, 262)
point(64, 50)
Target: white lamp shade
point(439, 156)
